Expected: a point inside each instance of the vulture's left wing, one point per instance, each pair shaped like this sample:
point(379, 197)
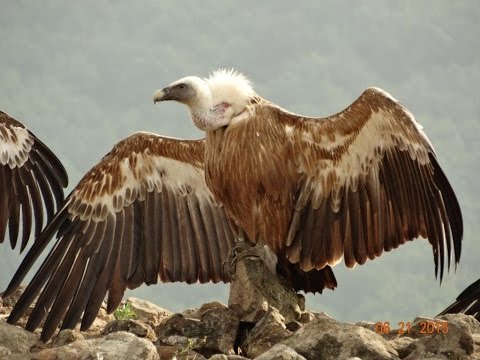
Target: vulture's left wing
point(370, 181)
point(143, 213)
point(468, 302)
point(31, 182)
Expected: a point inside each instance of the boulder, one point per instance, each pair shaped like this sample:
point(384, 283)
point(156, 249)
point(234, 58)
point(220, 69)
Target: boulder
point(148, 312)
point(270, 330)
point(15, 340)
point(132, 326)
point(281, 352)
point(254, 289)
point(114, 346)
point(227, 357)
point(326, 338)
point(67, 336)
point(448, 336)
point(209, 330)
point(168, 352)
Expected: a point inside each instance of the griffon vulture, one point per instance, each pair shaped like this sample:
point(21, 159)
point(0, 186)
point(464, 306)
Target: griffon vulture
point(312, 190)
point(31, 182)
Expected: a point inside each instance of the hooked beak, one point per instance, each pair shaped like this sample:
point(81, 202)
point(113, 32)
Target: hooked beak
point(161, 95)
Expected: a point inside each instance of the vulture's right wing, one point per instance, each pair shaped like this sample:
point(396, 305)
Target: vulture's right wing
point(143, 212)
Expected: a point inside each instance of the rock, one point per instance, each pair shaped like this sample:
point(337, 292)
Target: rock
point(227, 357)
point(172, 352)
point(476, 338)
point(115, 346)
point(468, 320)
point(15, 340)
point(367, 325)
point(267, 332)
point(147, 311)
point(66, 337)
point(306, 317)
point(448, 336)
point(98, 326)
point(10, 301)
point(326, 338)
point(280, 352)
point(132, 326)
point(209, 330)
point(293, 326)
point(255, 288)
point(403, 345)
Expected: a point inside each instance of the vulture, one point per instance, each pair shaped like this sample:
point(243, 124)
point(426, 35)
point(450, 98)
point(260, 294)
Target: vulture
point(31, 182)
point(468, 302)
point(313, 191)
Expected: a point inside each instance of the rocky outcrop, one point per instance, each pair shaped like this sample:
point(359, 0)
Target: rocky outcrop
point(279, 329)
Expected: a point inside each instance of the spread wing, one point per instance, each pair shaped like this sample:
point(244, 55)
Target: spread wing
point(370, 181)
point(31, 181)
point(468, 302)
point(143, 213)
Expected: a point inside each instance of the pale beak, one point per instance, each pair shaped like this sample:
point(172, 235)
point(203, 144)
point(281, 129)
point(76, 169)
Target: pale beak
point(161, 95)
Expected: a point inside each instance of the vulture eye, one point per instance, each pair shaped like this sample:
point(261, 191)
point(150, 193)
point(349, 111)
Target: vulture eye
point(182, 86)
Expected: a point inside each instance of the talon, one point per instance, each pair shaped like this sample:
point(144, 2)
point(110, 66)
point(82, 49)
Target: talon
point(240, 251)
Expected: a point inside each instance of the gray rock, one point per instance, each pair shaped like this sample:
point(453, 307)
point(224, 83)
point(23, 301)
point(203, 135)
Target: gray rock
point(403, 345)
point(469, 321)
point(148, 312)
point(448, 337)
point(66, 337)
point(280, 352)
point(367, 325)
point(168, 352)
point(476, 339)
point(115, 346)
point(15, 340)
point(132, 326)
point(227, 357)
point(10, 301)
point(270, 330)
point(326, 338)
point(254, 288)
point(306, 317)
point(209, 330)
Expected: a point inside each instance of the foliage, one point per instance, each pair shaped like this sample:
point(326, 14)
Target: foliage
point(125, 312)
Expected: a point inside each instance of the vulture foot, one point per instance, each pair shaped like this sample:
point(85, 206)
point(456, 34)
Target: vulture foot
point(242, 249)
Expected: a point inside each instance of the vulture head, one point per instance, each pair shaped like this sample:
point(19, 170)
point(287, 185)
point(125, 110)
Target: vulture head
point(214, 101)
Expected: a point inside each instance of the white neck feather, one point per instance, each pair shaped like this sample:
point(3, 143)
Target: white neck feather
point(222, 96)
point(229, 86)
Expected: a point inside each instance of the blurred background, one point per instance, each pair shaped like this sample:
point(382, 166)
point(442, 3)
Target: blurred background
point(81, 76)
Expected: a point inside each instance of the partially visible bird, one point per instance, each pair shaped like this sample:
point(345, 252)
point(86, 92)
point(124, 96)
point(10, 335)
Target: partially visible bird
point(32, 180)
point(468, 302)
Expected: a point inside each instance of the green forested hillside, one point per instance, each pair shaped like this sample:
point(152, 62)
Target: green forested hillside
point(81, 76)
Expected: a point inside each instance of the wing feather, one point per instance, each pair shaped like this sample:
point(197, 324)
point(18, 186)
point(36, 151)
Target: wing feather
point(31, 176)
point(379, 172)
point(144, 212)
point(468, 302)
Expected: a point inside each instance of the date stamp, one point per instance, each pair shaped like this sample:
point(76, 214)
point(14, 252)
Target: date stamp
point(404, 328)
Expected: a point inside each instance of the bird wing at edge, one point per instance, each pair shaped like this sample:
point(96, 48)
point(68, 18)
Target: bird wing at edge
point(31, 182)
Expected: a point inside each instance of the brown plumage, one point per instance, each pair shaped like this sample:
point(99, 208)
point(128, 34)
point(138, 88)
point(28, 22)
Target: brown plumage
point(314, 190)
point(31, 182)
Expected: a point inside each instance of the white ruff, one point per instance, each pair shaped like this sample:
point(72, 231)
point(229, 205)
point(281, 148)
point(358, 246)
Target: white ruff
point(231, 87)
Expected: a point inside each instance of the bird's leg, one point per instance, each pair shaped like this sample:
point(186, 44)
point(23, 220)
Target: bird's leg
point(243, 249)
